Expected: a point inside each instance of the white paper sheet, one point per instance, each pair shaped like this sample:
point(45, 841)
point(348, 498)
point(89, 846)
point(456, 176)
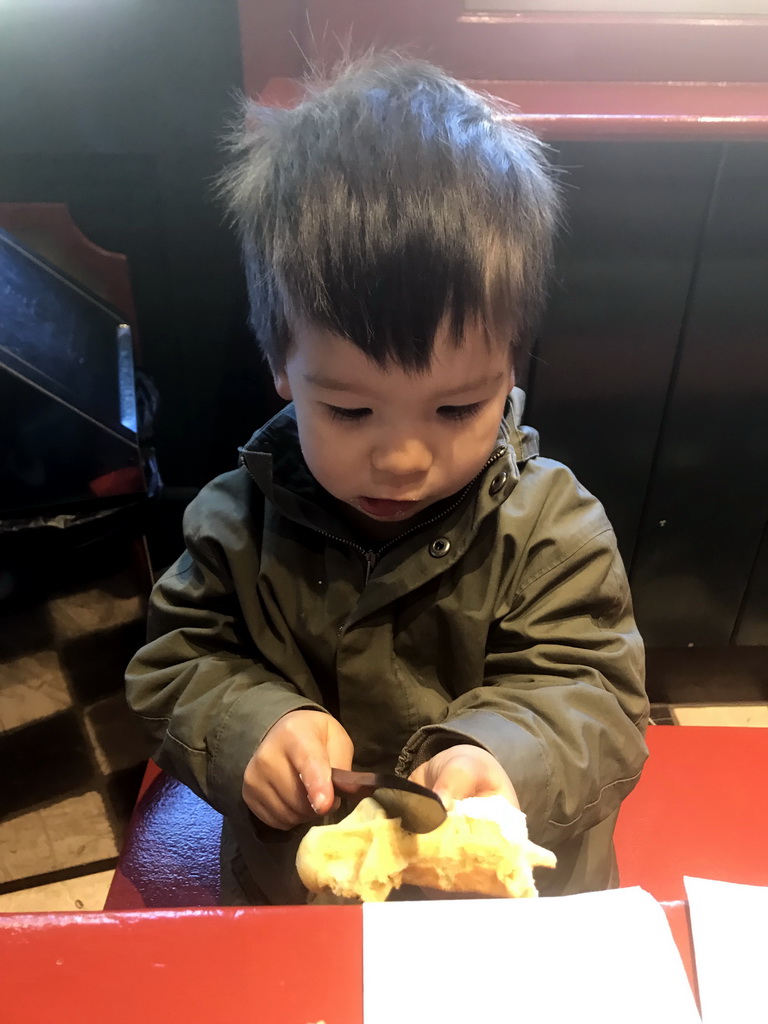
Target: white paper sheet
point(729, 923)
point(605, 958)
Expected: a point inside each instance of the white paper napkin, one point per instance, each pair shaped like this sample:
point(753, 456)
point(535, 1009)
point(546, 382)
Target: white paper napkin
point(729, 923)
point(606, 958)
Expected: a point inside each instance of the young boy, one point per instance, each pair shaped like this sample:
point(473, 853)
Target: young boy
point(394, 579)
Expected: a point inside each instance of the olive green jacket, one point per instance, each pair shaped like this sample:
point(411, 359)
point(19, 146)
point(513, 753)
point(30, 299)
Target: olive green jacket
point(505, 622)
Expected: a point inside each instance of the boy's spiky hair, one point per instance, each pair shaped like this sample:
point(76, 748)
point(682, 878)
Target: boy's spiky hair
point(390, 200)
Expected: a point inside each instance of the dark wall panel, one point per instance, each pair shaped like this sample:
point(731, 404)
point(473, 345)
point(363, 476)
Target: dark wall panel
point(600, 373)
point(117, 110)
point(752, 626)
point(708, 502)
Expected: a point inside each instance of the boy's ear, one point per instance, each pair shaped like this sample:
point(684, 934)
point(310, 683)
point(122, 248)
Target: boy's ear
point(282, 387)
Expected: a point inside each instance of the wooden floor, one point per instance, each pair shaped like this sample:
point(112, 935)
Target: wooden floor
point(71, 753)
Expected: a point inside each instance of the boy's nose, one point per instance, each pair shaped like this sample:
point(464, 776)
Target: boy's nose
point(402, 458)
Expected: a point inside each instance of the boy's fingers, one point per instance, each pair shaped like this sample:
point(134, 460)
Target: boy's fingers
point(456, 781)
point(340, 749)
point(270, 808)
point(314, 768)
point(316, 777)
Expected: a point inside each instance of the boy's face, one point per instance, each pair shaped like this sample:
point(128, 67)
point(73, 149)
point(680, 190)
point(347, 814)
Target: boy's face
point(387, 443)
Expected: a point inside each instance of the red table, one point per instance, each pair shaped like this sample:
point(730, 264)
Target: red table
point(277, 965)
point(699, 809)
point(281, 965)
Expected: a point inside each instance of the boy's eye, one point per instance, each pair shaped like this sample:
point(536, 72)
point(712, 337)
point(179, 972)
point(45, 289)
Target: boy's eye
point(347, 415)
point(460, 412)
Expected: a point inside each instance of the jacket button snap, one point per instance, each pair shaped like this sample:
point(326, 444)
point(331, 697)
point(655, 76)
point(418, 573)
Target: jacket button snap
point(440, 547)
point(498, 482)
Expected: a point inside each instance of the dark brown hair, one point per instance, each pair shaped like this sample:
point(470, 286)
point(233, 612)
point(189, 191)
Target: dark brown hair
point(391, 198)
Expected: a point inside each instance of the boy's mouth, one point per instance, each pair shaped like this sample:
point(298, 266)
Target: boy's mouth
point(382, 508)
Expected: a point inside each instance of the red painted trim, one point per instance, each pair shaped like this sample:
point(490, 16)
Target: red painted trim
point(555, 46)
point(616, 50)
point(271, 36)
point(648, 110)
point(600, 110)
point(279, 38)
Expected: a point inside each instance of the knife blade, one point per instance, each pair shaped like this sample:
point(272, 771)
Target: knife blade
point(419, 809)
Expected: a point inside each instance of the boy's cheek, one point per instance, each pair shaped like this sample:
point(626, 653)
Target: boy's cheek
point(329, 461)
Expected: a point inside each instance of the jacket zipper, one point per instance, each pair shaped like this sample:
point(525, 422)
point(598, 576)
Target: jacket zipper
point(371, 556)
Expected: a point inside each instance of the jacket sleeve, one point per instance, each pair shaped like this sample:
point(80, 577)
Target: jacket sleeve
point(203, 691)
point(562, 706)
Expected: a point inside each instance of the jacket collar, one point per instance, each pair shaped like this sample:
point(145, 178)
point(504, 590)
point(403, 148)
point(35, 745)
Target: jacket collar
point(274, 461)
point(524, 440)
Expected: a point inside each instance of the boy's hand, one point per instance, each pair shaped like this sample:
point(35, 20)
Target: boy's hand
point(463, 771)
point(288, 779)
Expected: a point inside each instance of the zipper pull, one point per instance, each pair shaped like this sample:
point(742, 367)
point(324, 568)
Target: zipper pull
point(371, 559)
